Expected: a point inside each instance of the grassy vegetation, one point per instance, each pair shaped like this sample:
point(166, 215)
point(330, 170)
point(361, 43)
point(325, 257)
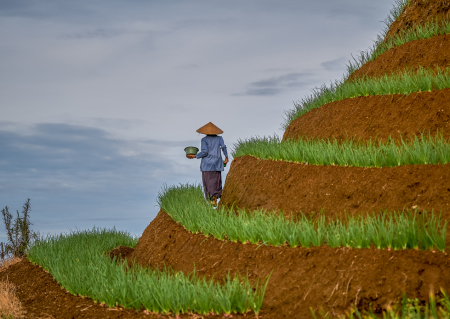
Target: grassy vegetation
point(408, 309)
point(78, 262)
point(420, 32)
point(365, 56)
point(408, 230)
point(423, 150)
point(320, 95)
point(403, 82)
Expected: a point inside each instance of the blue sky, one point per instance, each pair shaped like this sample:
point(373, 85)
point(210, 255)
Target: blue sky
point(99, 99)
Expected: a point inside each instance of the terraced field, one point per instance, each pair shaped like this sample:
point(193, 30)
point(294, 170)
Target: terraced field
point(288, 203)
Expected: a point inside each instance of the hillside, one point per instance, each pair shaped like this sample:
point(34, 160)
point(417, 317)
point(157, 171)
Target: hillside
point(322, 277)
point(399, 89)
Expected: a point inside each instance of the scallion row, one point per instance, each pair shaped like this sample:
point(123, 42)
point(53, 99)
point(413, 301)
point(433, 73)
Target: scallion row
point(401, 230)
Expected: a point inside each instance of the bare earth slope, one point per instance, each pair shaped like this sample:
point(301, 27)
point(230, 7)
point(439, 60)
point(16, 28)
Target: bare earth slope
point(420, 12)
point(42, 297)
point(320, 277)
point(376, 116)
point(294, 187)
point(427, 53)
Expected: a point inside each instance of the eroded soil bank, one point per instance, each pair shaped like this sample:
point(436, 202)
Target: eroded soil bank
point(293, 187)
point(427, 53)
point(320, 277)
point(42, 297)
point(420, 12)
point(376, 117)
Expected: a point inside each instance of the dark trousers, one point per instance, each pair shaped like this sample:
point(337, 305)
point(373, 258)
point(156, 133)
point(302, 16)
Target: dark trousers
point(212, 184)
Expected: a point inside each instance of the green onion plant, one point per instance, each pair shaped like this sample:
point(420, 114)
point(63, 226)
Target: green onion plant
point(419, 32)
point(320, 95)
point(403, 82)
point(398, 230)
point(425, 149)
point(79, 263)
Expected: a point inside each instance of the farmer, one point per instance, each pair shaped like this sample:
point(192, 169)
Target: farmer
point(212, 163)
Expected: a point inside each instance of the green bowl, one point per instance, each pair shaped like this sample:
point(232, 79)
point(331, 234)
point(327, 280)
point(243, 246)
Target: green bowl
point(191, 150)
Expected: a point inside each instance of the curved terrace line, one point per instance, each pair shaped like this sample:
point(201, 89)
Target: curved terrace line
point(398, 7)
point(403, 82)
point(185, 204)
point(362, 58)
point(381, 45)
point(421, 32)
point(426, 150)
point(424, 48)
point(77, 261)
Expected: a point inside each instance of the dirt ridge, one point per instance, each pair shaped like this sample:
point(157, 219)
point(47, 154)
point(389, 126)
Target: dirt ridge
point(376, 117)
point(42, 297)
point(419, 12)
point(319, 277)
point(294, 187)
point(427, 53)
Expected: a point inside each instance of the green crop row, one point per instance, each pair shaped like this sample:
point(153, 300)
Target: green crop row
point(78, 263)
point(378, 45)
point(407, 230)
point(420, 32)
point(381, 45)
point(403, 82)
point(423, 150)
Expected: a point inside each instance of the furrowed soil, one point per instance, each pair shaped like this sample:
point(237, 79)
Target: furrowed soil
point(42, 297)
point(294, 187)
point(420, 12)
point(428, 53)
point(376, 117)
point(332, 279)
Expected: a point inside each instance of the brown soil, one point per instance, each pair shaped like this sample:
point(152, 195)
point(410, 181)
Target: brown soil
point(294, 187)
point(41, 297)
point(420, 12)
point(320, 277)
point(427, 53)
point(121, 252)
point(376, 116)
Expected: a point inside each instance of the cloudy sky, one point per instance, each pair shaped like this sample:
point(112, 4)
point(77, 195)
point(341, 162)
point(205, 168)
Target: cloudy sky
point(99, 98)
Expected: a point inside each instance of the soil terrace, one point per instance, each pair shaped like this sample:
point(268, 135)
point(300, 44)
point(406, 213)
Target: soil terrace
point(427, 53)
point(320, 277)
point(293, 187)
point(379, 116)
point(42, 297)
point(420, 12)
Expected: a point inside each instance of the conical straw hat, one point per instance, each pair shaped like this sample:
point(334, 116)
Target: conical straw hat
point(209, 129)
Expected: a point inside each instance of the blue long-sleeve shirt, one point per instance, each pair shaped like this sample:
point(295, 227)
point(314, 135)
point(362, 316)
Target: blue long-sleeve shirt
point(210, 153)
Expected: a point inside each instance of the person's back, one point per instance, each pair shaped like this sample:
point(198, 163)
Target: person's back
point(212, 163)
point(211, 147)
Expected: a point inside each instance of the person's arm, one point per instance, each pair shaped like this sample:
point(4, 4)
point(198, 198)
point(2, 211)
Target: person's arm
point(224, 149)
point(204, 151)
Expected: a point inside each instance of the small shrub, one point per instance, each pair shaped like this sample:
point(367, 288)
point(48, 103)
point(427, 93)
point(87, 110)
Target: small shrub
point(18, 232)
